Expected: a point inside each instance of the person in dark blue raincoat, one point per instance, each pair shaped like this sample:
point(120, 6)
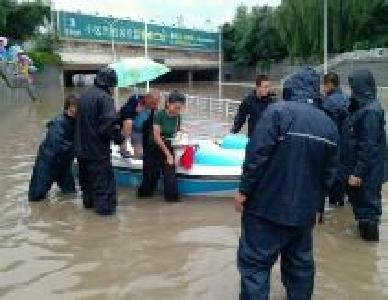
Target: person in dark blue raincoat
point(253, 105)
point(54, 162)
point(290, 163)
point(366, 146)
point(97, 125)
point(336, 105)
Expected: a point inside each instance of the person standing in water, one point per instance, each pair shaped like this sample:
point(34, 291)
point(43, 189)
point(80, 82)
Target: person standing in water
point(97, 125)
point(54, 162)
point(336, 105)
point(290, 162)
point(365, 153)
point(158, 151)
point(253, 105)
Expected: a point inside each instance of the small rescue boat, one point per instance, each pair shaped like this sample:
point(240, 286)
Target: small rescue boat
point(215, 171)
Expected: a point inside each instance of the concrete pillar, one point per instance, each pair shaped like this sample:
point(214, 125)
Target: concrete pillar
point(191, 76)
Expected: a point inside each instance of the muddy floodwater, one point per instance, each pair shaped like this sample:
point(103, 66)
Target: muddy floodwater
point(150, 249)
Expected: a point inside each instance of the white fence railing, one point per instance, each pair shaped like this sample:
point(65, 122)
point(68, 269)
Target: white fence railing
point(206, 108)
point(224, 110)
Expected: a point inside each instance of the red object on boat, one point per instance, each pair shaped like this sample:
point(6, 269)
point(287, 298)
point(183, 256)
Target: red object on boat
point(187, 159)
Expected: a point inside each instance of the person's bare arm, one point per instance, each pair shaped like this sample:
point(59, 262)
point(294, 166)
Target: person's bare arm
point(159, 141)
point(127, 127)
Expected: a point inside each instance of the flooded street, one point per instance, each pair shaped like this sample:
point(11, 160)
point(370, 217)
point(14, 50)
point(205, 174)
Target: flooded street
point(151, 249)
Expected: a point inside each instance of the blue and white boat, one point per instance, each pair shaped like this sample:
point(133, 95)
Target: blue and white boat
point(215, 172)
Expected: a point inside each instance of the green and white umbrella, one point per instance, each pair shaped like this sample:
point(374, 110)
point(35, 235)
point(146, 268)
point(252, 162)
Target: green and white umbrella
point(131, 71)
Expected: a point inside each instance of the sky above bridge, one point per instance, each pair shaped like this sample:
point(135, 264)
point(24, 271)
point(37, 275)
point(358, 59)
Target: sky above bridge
point(204, 14)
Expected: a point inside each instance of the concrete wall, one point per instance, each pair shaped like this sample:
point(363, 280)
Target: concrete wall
point(378, 66)
point(248, 74)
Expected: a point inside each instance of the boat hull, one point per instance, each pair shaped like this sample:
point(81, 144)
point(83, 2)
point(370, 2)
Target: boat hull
point(188, 184)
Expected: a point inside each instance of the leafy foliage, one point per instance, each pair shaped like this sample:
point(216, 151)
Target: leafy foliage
point(295, 30)
point(252, 37)
point(42, 59)
point(20, 20)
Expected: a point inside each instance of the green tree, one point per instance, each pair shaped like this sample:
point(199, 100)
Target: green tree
point(356, 22)
point(295, 30)
point(241, 23)
point(252, 37)
point(299, 23)
point(228, 41)
point(5, 6)
point(22, 20)
point(350, 22)
point(263, 42)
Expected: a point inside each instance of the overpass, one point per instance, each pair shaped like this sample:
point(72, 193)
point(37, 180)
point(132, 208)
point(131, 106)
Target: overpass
point(87, 42)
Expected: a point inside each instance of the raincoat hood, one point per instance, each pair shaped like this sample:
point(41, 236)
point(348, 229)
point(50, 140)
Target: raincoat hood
point(303, 86)
point(105, 79)
point(336, 100)
point(363, 86)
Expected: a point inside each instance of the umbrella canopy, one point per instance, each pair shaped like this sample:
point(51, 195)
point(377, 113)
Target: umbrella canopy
point(131, 71)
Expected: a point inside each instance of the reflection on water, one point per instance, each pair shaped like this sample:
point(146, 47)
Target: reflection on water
point(151, 249)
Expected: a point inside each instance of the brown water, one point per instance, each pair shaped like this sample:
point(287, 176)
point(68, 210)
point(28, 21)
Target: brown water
point(151, 249)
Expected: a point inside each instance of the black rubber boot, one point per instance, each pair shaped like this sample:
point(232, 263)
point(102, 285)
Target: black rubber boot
point(173, 199)
point(143, 193)
point(87, 202)
point(362, 225)
point(341, 202)
point(332, 202)
point(369, 231)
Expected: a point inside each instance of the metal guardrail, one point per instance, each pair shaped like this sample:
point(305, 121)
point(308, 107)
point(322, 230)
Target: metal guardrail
point(224, 110)
point(206, 108)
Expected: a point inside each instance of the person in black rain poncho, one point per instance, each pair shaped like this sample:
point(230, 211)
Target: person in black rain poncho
point(366, 147)
point(97, 125)
point(55, 157)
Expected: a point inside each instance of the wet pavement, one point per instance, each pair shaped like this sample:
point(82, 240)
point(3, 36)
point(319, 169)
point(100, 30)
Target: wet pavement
point(151, 249)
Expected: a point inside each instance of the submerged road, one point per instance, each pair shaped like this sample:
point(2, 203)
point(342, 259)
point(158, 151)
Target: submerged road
point(151, 249)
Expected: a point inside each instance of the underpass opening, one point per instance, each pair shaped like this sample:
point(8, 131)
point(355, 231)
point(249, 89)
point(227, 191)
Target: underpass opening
point(74, 78)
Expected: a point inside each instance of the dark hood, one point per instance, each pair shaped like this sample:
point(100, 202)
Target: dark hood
point(336, 100)
point(106, 78)
point(363, 86)
point(303, 86)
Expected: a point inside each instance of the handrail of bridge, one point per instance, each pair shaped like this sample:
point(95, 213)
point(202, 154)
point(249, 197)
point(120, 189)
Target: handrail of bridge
point(98, 51)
